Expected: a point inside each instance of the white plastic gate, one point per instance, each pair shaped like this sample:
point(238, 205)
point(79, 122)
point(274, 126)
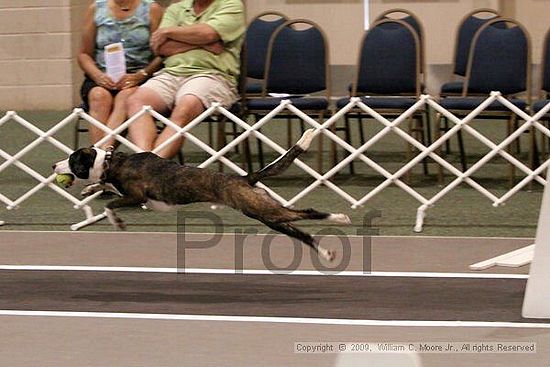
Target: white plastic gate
point(320, 128)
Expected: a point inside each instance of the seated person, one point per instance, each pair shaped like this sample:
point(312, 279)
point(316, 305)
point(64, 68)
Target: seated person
point(201, 40)
point(130, 22)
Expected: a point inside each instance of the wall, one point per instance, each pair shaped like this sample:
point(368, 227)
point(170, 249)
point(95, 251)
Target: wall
point(36, 55)
point(342, 21)
point(39, 40)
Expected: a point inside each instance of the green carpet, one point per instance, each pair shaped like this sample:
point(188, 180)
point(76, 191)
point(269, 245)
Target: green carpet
point(463, 212)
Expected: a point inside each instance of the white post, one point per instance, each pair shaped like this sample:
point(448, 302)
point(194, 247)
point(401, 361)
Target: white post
point(536, 303)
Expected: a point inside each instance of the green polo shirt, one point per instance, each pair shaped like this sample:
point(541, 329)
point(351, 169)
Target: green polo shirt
point(228, 19)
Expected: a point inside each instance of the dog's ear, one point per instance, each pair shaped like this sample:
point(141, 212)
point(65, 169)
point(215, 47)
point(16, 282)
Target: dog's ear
point(81, 161)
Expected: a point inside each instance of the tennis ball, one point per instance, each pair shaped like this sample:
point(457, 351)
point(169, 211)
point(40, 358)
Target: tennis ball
point(64, 180)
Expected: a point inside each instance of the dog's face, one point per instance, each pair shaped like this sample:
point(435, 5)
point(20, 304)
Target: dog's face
point(85, 165)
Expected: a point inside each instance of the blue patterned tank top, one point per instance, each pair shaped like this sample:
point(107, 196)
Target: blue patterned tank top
point(133, 32)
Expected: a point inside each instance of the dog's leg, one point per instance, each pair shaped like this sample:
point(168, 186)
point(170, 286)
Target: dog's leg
point(284, 161)
point(305, 214)
point(290, 230)
point(114, 219)
point(259, 205)
point(93, 188)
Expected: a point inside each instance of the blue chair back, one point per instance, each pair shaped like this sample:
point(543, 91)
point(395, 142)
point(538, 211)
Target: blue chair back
point(409, 18)
point(297, 61)
point(258, 34)
point(389, 60)
point(466, 31)
point(499, 60)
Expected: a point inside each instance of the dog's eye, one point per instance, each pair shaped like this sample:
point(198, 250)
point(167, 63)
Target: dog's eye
point(81, 161)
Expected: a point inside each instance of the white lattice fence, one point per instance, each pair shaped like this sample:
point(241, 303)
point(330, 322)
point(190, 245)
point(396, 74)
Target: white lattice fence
point(355, 153)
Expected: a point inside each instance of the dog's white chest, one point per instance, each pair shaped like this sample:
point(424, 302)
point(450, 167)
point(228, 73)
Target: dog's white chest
point(159, 206)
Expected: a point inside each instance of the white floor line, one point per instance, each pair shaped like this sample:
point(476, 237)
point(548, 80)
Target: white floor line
point(230, 234)
point(283, 320)
point(259, 272)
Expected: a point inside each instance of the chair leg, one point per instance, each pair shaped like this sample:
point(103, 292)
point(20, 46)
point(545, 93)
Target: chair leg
point(462, 152)
point(348, 140)
point(260, 146)
point(408, 149)
point(260, 151)
point(361, 131)
point(428, 115)
point(543, 141)
point(180, 157)
point(333, 151)
point(247, 158)
point(321, 152)
point(220, 141)
point(289, 141)
point(448, 141)
point(518, 141)
point(512, 168)
point(210, 134)
point(422, 132)
point(235, 134)
point(76, 136)
point(534, 159)
point(438, 151)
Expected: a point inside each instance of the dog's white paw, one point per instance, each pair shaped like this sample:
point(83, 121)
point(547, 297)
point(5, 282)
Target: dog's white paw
point(305, 140)
point(115, 220)
point(90, 189)
point(339, 218)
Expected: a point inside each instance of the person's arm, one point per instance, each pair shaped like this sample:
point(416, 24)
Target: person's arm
point(172, 47)
point(85, 57)
point(196, 34)
point(132, 80)
point(226, 26)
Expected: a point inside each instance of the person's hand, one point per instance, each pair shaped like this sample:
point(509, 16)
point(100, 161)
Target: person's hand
point(130, 80)
point(158, 38)
point(216, 47)
point(103, 80)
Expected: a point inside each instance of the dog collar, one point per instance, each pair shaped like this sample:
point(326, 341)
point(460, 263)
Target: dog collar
point(106, 163)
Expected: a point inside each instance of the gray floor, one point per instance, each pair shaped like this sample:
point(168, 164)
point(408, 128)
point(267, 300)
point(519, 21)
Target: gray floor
point(103, 341)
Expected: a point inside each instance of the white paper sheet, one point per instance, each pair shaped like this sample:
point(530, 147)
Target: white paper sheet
point(115, 61)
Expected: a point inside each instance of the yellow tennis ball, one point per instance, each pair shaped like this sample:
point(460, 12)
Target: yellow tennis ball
point(64, 180)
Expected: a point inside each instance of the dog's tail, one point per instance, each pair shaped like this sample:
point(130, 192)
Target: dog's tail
point(284, 161)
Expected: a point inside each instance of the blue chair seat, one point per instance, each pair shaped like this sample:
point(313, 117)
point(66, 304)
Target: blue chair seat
point(303, 103)
point(254, 88)
point(470, 103)
point(381, 102)
point(538, 105)
point(452, 88)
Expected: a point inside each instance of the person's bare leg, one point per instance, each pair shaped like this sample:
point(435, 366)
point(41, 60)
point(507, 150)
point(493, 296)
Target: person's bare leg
point(187, 108)
point(143, 131)
point(119, 112)
point(100, 101)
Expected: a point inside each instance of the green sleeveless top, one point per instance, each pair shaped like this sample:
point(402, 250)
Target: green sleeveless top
point(133, 32)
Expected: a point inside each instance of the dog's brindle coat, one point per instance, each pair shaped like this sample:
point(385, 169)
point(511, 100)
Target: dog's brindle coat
point(145, 178)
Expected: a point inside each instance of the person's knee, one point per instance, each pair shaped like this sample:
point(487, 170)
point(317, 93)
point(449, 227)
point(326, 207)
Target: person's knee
point(144, 97)
point(187, 109)
point(100, 98)
point(135, 101)
point(121, 98)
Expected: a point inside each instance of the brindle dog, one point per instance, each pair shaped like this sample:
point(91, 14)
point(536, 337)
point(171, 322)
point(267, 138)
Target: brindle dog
point(161, 184)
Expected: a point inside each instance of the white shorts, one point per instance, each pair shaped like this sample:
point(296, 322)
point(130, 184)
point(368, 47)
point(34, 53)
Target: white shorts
point(208, 88)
